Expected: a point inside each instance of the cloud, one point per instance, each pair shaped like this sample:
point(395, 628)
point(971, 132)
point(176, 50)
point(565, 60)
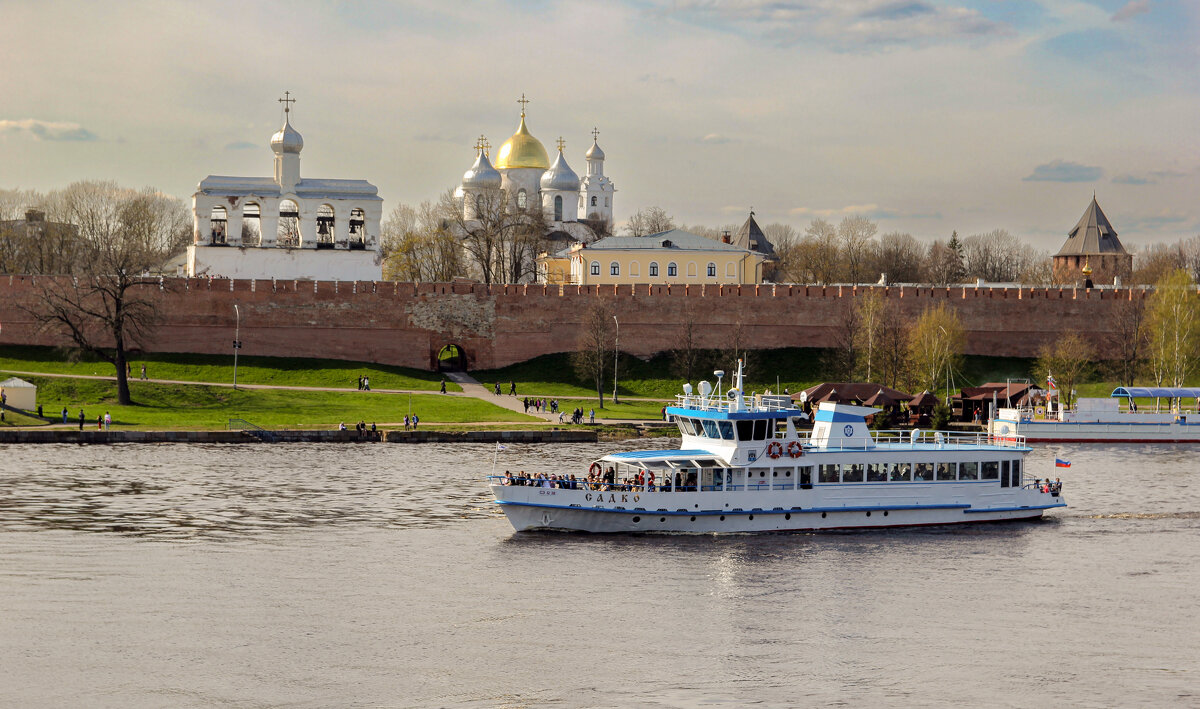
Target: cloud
point(241, 145)
point(1064, 171)
point(716, 139)
point(850, 24)
point(1132, 180)
point(48, 130)
point(1131, 9)
point(835, 212)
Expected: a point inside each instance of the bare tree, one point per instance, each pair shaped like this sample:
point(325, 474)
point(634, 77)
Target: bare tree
point(1127, 340)
point(111, 304)
point(842, 361)
point(687, 359)
point(649, 220)
point(594, 349)
point(944, 264)
point(417, 246)
point(500, 240)
point(901, 257)
point(892, 346)
point(871, 308)
point(856, 233)
point(817, 258)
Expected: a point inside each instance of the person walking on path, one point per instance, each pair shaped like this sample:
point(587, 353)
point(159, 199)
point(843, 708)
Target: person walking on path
point(443, 385)
point(512, 388)
point(65, 415)
point(497, 389)
point(107, 420)
point(81, 419)
point(366, 384)
point(591, 416)
point(415, 421)
point(360, 382)
point(143, 371)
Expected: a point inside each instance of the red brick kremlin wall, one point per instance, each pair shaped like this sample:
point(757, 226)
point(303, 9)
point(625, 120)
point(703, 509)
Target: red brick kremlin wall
point(408, 323)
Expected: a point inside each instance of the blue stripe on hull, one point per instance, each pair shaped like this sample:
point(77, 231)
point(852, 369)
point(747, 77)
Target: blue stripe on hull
point(772, 511)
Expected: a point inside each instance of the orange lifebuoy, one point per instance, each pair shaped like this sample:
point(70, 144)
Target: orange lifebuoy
point(595, 468)
point(775, 449)
point(795, 449)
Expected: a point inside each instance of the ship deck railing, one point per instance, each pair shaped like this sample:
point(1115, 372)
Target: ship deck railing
point(756, 402)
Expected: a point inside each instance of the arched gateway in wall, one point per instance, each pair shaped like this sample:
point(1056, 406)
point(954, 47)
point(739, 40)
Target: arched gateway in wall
point(451, 358)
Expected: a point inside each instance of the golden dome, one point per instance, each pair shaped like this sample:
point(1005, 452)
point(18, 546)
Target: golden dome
point(1087, 268)
point(522, 150)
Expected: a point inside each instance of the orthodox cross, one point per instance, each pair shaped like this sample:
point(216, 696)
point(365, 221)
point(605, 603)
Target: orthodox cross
point(752, 211)
point(561, 144)
point(287, 100)
point(522, 101)
point(595, 133)
point(481, 143)
point(487, 146)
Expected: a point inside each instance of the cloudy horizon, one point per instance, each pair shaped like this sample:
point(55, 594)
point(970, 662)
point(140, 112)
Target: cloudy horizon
point(926, 116)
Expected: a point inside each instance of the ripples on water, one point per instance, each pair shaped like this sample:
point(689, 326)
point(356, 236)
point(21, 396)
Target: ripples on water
point(367, 575)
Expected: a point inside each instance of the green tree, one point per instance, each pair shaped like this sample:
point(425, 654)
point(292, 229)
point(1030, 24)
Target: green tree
point(1173, 328)
point(1070, 359)
point(935, 346)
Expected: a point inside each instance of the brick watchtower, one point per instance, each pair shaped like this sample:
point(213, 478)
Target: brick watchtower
point(1092, 249)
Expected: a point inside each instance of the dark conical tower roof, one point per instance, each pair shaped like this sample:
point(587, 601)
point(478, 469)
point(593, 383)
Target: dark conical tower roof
point(752, 238)
point(1092, 235)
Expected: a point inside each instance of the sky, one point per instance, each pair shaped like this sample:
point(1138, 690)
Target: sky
point(927, 116)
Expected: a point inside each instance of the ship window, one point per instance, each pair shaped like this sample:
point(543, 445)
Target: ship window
point(945, 471)
point(901, 472)
point(876, 472)
point(1004, 470)
point(991, 470)
point(745, 430)
point(771, 428)
point(829, 473)
point(923, 471)
point(968, 471)
point(698, 426)
point(1016, 473)
point(685, 427)
point(852, 473)
point(710, 429)
point(726, 430)
point(760, 430)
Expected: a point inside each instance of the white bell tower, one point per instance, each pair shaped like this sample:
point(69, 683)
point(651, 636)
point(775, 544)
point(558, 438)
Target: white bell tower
point(596, 190)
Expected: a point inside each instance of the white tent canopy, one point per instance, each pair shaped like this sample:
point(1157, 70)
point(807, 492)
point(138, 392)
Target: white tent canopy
point(19, 393)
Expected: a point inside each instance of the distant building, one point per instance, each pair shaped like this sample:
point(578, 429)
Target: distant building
point(752, 238)
point(284, 226)
point(669, 257)
point(36, 245)
point(578, 209)
point(1092, 252)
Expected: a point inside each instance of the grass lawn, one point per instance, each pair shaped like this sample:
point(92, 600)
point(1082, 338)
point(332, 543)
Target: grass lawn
point(284, 371)
point(179, 406)
point(12, 419)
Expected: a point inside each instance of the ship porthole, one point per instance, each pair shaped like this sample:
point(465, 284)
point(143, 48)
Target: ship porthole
point(751, 516)
point(662, 519)
point(885, 513)
point(788, 515)
point(637, 519)
point(722, 518)
point(868, 513)
point(822, 515)
point(693, 518)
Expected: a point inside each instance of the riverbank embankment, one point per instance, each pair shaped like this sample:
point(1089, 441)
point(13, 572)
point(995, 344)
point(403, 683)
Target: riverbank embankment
point(16, 436)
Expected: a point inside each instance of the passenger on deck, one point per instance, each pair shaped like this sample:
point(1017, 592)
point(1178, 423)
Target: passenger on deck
point(508, 479)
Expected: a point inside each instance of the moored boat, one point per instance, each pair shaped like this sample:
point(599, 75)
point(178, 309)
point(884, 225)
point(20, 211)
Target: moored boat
point(1105, 420)
point(751, 466)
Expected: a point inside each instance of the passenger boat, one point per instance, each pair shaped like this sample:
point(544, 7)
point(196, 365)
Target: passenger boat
point(1105, 420)
point(748, 466)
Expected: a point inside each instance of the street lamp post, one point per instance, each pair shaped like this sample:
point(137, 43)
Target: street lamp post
point(616, 352)
point(237, 343)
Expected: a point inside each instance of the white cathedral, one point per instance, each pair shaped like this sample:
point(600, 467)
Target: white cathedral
point(285, 226)
point(576, 209)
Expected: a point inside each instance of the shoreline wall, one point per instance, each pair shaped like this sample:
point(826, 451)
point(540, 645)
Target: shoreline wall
point(406, 324)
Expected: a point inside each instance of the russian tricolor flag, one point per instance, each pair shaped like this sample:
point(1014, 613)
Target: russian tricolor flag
point(1060, 463)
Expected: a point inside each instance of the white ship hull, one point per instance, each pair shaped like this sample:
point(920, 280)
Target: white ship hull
point(1097, 432)
point(530, 508)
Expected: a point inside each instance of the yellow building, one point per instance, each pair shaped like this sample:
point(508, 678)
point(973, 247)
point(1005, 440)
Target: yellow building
point(669, 257)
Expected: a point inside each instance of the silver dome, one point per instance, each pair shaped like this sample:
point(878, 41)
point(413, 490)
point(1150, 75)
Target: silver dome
point(287, 140)
point(594, 152)
point(481, 175)
point(560, 176)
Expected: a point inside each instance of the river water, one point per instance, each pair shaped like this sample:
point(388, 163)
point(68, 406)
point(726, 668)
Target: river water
point(381, 575)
